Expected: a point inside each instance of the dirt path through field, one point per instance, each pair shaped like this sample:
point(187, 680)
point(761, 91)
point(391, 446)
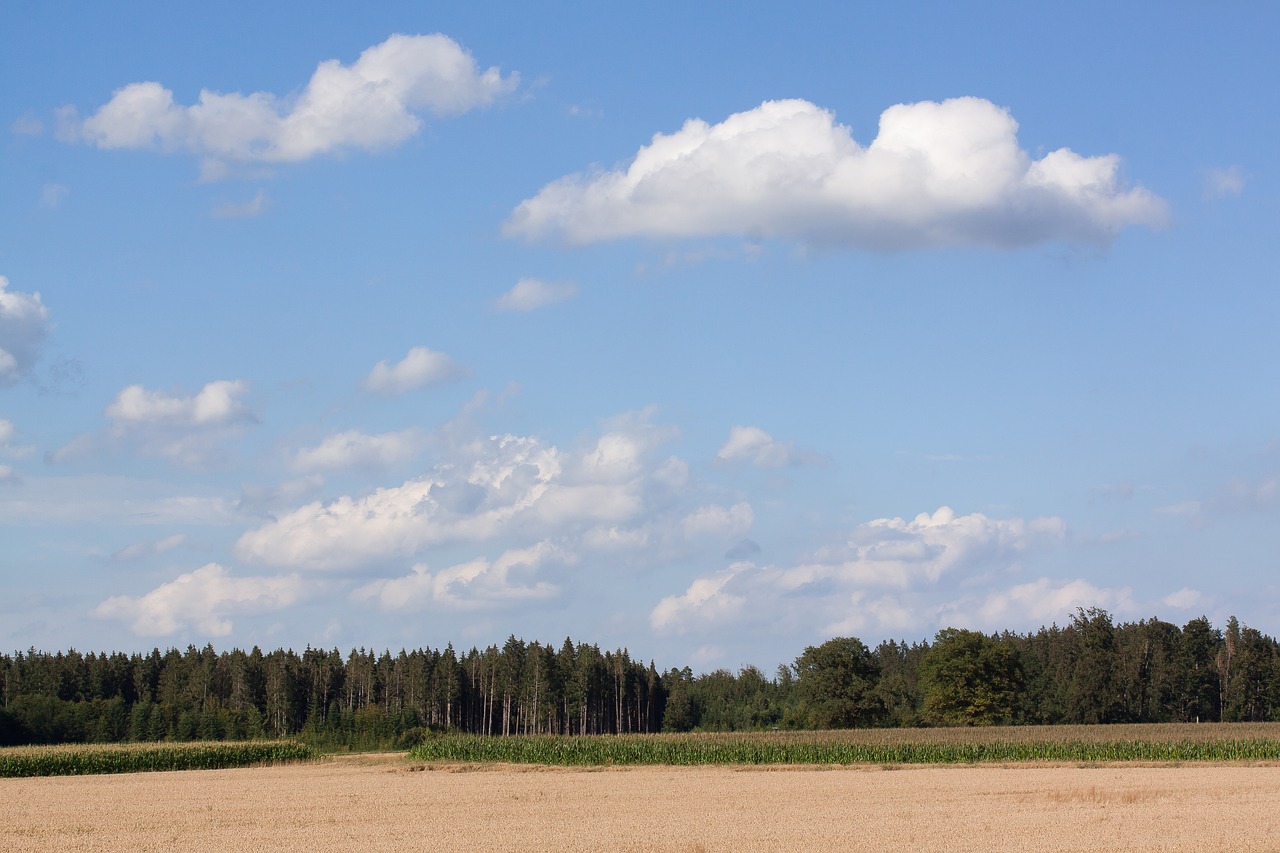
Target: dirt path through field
point(385, 803)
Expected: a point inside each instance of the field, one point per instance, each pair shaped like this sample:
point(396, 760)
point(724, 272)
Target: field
point(1231, 742)
point(389, 803)
point(397, 802)
point(88, 759)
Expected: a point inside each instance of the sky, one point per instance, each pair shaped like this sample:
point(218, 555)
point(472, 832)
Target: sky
point(707, 334)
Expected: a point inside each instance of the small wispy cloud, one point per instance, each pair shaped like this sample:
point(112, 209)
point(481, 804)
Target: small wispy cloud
point(27, 125)
point(255, 206)
point(1224, 183)
point(530, 294)
point(52, 196)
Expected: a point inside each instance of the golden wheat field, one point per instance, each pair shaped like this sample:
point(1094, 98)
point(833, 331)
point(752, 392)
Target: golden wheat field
point(389, 803)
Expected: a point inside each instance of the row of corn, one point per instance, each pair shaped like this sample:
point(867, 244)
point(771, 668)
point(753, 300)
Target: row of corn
point(76, 760)
point(694, 749)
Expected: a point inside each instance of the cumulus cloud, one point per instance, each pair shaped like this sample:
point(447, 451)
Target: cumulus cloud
point(477, 583)
point(8, 442)
point(1044, 601)
point(372, 104)
point(24, 324)
point(354, 448)
point(1223, 183)
point(754, 445)
point(216, 403)
point(898, 553)
point(1183, 599)
point(889, 575)
point(505, 488)
point(530, 294)
point(705, 602)
point(421, 368)
point(191, 430)
point(937, 174)
point(203, 600)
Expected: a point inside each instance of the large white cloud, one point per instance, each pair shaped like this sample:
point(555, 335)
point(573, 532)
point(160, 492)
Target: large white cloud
point(894, 552)
point(420, 368)
point(24, 324)
point(937, 174)
point(371, 104)
point(889, 575)
point(611, 493)
point(204, 599)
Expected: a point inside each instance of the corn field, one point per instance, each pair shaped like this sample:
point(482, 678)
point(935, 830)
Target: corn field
point(81, 760)
point(1164, 743)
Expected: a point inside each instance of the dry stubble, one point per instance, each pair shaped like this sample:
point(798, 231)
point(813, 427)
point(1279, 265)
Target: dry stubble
point(384, 803)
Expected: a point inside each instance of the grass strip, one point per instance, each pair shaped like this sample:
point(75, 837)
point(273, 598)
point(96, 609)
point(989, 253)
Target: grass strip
point(685, 750)
point(79, 760)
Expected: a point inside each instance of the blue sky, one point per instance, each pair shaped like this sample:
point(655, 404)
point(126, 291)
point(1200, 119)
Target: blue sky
point(710, 335)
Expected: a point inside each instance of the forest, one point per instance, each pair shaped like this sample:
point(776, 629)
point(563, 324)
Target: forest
point(1089, 670)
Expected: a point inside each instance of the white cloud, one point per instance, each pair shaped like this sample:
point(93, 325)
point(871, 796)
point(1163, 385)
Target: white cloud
point(719, 521)
point(271, 500)
point(192, 431)
point(754, 445)
point(8, 447)
point(419, 369)
point(369, 105)
point(477, 583)
point(110, 500)
point(204, 599)
point(530, 294)
point(27, 125)
point(508, 489)
point(890, 575)
point(216, 403)
point(354, 448)
point(138, 550)
point(255, 206)
point(1183, 599)
point(705, 602)
point(899, 553)
point(1223, 183)
point(937, 174)
point(52, 196)
point(24, 324)
point(1044, 601)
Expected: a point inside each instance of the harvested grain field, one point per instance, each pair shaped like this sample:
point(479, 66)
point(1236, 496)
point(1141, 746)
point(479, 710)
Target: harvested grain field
point(387, 803)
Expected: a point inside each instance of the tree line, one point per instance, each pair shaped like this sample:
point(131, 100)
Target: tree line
point(1087, 671)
